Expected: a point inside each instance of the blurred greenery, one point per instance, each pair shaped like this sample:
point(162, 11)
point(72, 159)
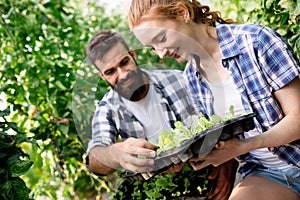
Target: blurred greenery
point(280, 15)
point(51, 89)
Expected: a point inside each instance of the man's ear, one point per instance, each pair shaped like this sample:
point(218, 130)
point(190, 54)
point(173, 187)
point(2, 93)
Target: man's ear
point(101, 74)
point(96, 64)
point(183, 11)
point(132, 53)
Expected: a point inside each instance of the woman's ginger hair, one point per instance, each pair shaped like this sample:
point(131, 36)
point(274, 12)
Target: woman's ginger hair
point(144, 10)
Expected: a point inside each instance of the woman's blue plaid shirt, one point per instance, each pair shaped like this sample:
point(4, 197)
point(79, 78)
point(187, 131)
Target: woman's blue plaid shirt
point(261, 62)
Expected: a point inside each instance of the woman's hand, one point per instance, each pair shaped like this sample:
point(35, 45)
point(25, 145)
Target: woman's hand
point(223, 152)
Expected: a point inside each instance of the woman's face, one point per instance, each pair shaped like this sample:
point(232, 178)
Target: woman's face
point(168, 38)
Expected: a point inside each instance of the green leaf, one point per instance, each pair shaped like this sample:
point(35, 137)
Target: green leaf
point(15, 189)
point(20, 167)
point(5, 189)
point(2, 155)
point(14, 127)
point(5, 112)
point(64, 128)
point(284, 18)
point(5, 88)
point(2, 171)
point(60, 85)
point(4, 145)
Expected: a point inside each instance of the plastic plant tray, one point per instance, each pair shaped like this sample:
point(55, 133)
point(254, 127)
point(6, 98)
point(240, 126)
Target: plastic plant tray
point(206, 140)
point(200, 145)
point(174, 156)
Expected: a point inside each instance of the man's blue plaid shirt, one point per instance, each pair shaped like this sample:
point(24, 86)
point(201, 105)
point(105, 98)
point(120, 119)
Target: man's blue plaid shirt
point(112, 119)
point(260, 62)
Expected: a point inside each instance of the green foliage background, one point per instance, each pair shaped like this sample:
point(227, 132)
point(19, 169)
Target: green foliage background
point(51, 88)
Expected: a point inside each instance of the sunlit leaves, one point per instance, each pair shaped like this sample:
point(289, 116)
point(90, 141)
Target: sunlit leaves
point(42, 47)
point(13, 161)
point(281, 15)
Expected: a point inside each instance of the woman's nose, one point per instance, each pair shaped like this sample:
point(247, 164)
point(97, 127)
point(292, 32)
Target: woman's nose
point(161, 52)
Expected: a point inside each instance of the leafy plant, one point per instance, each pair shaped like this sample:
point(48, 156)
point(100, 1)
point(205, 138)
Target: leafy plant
point(175, 136)
point(186, 183)
point(281, 15)
point(13, 161)
point(43, 49)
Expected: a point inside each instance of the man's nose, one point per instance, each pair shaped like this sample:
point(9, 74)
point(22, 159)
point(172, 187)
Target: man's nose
point(122, 73)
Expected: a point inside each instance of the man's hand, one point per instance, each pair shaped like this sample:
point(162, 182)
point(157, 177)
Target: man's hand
point(133, 154)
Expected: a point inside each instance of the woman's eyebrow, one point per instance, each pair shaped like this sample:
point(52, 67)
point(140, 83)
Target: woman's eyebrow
point(156, 38)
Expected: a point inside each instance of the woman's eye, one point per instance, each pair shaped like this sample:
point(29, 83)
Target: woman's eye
point(152, 48)
point(163, 39)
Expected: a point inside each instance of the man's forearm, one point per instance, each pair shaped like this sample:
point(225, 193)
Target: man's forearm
point(100, 161)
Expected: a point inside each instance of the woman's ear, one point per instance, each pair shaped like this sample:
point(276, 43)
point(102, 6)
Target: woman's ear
point(183, 11)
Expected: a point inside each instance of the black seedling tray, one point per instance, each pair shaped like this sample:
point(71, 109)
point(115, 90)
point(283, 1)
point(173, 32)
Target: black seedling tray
point(206, 140)
point(201, 144)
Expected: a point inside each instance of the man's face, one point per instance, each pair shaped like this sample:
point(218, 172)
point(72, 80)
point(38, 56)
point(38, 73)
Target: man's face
point(119, 69)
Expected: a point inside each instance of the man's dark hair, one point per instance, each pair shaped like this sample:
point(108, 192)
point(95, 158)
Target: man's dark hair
point(101, 43)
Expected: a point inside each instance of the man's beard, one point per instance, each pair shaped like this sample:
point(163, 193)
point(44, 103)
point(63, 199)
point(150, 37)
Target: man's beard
point(136, 90)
